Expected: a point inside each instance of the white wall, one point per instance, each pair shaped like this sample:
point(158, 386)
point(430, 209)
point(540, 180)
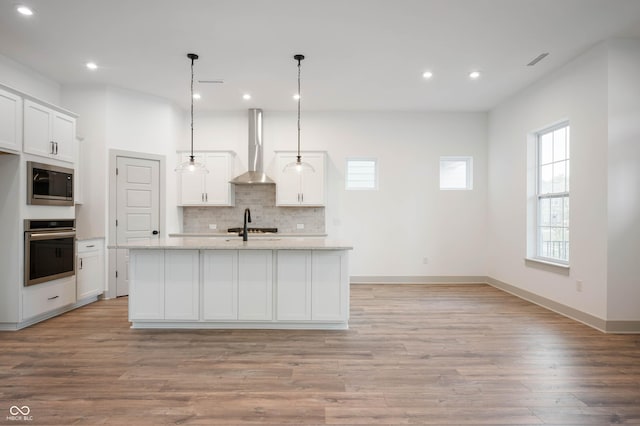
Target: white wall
point(408, 218)
point(577, 92)
point(28, 81)
point(623, 296)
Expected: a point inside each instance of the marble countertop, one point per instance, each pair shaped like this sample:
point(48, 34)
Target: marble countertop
point(236, 243)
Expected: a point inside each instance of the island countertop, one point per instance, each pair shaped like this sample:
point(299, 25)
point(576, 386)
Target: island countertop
point(236, 243)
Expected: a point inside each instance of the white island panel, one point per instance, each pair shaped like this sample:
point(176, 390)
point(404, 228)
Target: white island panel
point(294, 285)
point(146, 293)
point(182, 285)
point(255, 280)
point(220, 284)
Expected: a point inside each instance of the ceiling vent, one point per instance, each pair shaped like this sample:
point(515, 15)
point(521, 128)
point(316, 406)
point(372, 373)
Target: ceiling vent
point(538, 59)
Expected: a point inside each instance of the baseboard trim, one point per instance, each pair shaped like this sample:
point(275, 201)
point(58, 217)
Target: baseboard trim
point(59, 311)
point(364, 279)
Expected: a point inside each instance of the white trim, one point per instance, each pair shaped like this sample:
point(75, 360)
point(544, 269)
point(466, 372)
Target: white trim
point(256, 325)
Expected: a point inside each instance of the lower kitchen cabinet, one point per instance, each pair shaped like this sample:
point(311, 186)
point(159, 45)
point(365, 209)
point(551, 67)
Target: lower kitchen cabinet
point(247, 288)
point(42, 298)
point(90, 268)
point(181, 284)
point(329, 291)
point(146, 284)
point(164, 285)
point(293, 296)
point(255, 281)
point(220, 284)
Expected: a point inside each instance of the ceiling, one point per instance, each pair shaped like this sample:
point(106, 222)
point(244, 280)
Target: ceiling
point(361, 54)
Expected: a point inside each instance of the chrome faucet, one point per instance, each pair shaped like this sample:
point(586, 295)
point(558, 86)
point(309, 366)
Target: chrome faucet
point(247, 218)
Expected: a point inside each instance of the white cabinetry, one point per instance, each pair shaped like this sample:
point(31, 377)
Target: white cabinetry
point(300, 188)
point(90, 264)
point(293, 295)
point(210, 189)
point(48, 133)
point(146, 284)
point(181, 285)
point(220, 284)
point(10, 121)
point(255, 285)
point(42, 298)
point(164, 277)
point(330, 286)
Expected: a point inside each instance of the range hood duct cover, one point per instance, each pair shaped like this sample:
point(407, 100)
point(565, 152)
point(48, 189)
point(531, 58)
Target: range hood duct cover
point(256, 174)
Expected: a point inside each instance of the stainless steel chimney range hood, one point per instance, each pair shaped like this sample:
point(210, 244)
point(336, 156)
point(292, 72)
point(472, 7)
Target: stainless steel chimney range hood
point(256, 174)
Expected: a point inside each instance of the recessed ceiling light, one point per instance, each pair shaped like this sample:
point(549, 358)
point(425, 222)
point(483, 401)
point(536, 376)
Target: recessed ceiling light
point(196, 96)
point(427, 74)
point(92, 65)
point(474, 75)
point(246, 96)
point(296, 96)
point(24, 10)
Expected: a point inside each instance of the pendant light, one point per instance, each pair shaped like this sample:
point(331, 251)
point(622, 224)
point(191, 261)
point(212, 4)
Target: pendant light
point(191, 166)
point(298, 166)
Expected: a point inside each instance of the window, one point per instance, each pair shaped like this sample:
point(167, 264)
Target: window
point(552, 194)
point(362, 173)
point(456, 173)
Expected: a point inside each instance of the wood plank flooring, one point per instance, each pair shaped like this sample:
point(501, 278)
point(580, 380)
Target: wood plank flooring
point(415, 354)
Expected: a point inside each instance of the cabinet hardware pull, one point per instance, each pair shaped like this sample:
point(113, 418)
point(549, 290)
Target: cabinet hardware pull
point(80, 263)
point(92, 245)
point(51, 143)
point(206, 197)
point(54, 297)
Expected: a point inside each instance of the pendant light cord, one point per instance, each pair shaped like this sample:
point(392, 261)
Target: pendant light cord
point(299, 58)
point(193, 58)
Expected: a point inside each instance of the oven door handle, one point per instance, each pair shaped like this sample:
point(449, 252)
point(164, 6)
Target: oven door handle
point(50, 235)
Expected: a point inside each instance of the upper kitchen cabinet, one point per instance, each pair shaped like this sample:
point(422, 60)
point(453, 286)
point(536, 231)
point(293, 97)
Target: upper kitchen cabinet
point(10, 121)
point(48, 132)
point(301, 189)
point(210, 189)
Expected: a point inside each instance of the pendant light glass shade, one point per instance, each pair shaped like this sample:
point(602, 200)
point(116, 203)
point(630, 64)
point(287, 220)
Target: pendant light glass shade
point(192, 166)
point(298, 166)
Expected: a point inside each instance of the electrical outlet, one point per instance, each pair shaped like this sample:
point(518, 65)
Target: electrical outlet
point(213, 226)
point(579, 285)
point(425, 260)
point(300, 226)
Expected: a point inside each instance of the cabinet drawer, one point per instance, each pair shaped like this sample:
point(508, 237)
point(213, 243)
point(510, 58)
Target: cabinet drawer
point(89, 245)
point(42, 298)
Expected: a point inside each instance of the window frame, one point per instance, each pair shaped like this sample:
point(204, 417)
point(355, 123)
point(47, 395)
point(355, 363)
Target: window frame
point(537, 254)
point(469, 171)
point(348, 160)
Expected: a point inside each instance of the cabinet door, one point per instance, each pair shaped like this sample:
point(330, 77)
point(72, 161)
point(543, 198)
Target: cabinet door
point(220, 284)
point(181, 284)
point(10, 121)
point(217, 187)
point(313, 183)
point(255, 285)
point(64, 136)
point(293, 292)
point(90, 277)
point(37, 130)
point(191, 185)
point(287, 183)
point(329, 285)
point(146, 284)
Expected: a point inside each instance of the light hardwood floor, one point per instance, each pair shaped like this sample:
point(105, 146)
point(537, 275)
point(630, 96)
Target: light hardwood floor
point(418, 354)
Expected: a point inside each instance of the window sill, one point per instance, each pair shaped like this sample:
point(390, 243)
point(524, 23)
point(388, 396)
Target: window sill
point(546, 265)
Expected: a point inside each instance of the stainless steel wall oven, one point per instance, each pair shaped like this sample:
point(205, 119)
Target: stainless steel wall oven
point(49, 249)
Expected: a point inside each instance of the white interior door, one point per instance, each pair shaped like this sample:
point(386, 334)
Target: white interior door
point(137, 209)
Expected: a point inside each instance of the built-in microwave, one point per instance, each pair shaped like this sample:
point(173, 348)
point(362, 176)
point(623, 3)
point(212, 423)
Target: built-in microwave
point(49, 185)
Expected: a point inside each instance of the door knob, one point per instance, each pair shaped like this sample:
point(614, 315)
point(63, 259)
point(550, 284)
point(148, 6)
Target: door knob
point(155, 232)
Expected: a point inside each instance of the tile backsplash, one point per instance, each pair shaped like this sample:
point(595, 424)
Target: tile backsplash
point(261, 200)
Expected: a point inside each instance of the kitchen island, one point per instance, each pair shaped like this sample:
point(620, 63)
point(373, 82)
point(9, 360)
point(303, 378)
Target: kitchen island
point(289, 283)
